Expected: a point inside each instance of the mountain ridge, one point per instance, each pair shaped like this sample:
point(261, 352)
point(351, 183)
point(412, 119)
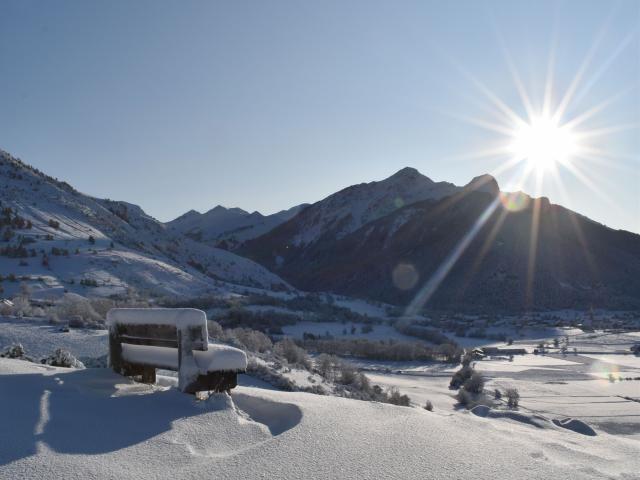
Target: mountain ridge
point(363, 258)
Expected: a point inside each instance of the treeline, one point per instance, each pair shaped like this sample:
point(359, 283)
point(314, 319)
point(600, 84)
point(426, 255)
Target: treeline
point(384, 349)
point(315, 307)
point(268, 321)
point(422, 332)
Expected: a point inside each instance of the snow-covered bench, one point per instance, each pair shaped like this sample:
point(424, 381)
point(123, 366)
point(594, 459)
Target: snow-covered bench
point(143, 339)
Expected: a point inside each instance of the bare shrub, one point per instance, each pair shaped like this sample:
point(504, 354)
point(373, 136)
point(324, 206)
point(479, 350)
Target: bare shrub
point(327, 365)
point(101, 306)
point(252, 340)
point(13, 351)
point(461, 376)
point(214, 329)
point(62, 358)
point(429, 406)
point(295, 355)
point(475, 383)
point(513, 397)
point(396, 398)
point(464, 398)
point(78, 310)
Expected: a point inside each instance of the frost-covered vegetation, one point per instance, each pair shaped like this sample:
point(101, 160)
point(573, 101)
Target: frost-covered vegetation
point(70, 309)
point(59, 358)
point(325, 374)
point(383, 349)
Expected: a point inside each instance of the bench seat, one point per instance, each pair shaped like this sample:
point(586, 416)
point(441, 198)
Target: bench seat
point(216, 358)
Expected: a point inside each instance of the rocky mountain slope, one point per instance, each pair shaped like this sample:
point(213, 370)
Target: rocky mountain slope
point(59, 238)
point(407, 239)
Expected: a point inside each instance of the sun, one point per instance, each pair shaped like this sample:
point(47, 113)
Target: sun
point(543, 143)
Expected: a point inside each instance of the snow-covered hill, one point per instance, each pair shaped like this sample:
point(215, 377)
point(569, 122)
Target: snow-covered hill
point(228, 227)
point(95, 424)
point(59, 238)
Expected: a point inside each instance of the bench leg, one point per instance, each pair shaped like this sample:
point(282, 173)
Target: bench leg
point(149, 375)
point(215, 381)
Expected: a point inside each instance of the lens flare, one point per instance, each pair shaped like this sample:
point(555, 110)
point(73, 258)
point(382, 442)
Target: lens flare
point(405, 276)
point(606, 373)
point(514, 201)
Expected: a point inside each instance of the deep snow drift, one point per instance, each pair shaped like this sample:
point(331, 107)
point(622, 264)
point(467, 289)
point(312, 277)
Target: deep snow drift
point(95, 424)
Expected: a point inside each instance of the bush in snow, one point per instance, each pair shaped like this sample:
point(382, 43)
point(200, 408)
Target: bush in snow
point(464, 398)
point(429, 406)
point(513, 397)
point(251, 340)
point(326, 365)
point(62, 358)
point(21, 307)
point(475, 383)
point(15, 351)
point(214, 329)
point(295, 355)
point(78, 310)
point(461, 376)
point(101, 306)
point(396, 398)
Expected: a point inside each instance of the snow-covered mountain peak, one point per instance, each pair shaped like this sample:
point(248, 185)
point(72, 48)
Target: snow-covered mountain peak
point(228, 227)
point(349, 209)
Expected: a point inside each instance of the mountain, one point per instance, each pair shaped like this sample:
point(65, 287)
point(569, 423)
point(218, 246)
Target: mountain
point(349, 209)
point(228, 227)
point(408, 239)
point(58, 238)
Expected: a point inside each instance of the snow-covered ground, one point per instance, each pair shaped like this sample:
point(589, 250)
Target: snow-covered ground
point(552, 385)
point(40, 338)
point(95, 424)
point(150, 432)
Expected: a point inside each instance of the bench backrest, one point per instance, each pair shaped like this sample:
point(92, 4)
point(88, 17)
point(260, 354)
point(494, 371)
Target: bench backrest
point(158, 327)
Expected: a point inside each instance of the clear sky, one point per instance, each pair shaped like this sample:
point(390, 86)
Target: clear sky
point(263, 105)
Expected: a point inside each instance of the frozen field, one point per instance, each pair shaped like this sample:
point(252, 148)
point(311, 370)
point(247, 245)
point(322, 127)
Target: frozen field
point(553, 386)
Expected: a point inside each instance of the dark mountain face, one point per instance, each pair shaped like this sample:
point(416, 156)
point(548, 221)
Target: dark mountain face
point(573, 263)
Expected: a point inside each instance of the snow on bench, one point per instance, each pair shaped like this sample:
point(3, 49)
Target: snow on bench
point(143, 339)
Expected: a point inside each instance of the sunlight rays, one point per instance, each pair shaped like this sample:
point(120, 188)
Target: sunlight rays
point(429, 288)
point(544, 143)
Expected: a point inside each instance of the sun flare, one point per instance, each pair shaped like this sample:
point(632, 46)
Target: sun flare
point(543, 143)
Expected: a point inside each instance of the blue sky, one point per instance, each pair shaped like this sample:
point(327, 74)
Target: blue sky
point(264, 105)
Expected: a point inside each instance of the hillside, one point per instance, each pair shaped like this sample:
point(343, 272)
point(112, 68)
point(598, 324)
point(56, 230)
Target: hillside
point(58, 238)
point(347, 243)
point(228, 227)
